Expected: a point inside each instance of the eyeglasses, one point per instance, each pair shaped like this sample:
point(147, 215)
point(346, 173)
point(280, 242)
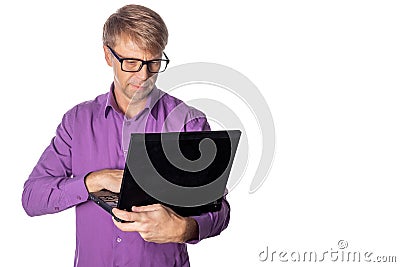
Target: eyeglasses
point(135, 65)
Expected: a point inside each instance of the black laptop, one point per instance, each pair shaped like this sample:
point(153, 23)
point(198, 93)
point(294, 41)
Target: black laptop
point(186, 171)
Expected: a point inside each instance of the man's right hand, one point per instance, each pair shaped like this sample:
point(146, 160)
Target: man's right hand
point(109, 179)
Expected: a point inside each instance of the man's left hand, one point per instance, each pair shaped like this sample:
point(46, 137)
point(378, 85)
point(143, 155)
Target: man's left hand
point(157, 223)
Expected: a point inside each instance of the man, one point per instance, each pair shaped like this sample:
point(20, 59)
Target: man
point(87, 155)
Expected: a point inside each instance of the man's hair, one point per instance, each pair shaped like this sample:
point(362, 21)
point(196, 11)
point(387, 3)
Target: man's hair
point(144, 26)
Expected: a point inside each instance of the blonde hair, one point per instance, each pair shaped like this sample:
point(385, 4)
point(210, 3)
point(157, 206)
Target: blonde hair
point(146, 28)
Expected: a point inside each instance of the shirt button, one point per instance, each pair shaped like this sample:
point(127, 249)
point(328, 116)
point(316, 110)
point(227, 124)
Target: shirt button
point(127, 123)
point(119, 240)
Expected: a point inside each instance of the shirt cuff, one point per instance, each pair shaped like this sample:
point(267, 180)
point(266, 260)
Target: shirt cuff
point(204, 223)
point(75, 190)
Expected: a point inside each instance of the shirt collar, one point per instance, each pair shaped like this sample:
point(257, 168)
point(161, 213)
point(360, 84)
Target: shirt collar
point(154, 96)
point(111, 103)
point(151, 102)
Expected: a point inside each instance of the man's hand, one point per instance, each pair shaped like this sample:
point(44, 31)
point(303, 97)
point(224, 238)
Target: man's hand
point(157, 223)
point(109, 179)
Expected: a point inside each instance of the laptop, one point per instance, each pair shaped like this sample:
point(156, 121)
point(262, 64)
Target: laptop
point(185, 171)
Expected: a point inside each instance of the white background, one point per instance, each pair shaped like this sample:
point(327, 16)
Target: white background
point(329, 71)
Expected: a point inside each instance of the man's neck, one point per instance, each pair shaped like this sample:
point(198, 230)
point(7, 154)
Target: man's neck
point(134, 107)
point(129, 107)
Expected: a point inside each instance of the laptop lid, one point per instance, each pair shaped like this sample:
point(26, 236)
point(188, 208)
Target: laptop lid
point(186, 171)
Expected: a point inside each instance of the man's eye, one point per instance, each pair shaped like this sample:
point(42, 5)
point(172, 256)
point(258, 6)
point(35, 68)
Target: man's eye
point(155, 63)
point(132, 62)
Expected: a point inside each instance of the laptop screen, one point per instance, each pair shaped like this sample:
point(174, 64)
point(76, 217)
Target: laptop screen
point(158, 164)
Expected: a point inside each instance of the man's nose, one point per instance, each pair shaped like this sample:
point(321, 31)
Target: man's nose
point(143, 73)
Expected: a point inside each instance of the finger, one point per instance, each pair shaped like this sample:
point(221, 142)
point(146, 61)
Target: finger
point(168, 209)
point(127, 216)
point(119, 172)
point(127, 226)
point(147, 208)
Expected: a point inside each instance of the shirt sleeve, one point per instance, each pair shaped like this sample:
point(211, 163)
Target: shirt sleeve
point(210, 223)
point(50, 187)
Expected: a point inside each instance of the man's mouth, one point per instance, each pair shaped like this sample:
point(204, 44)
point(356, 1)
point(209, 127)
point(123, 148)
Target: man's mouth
point(137, 86)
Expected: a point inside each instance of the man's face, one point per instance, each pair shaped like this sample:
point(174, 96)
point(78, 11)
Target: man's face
point(130, 86)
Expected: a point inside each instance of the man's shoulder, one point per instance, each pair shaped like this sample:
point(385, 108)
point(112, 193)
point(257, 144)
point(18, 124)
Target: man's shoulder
point(176, 115)
point(170, 103)
point(93, 106)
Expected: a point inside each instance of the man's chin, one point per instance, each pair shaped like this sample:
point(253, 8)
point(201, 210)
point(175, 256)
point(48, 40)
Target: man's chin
point(141, 94)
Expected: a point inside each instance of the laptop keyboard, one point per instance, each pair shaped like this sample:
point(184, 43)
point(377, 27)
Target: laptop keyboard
point(108, 199)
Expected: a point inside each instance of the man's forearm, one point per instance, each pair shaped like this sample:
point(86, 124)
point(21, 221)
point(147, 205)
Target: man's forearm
point(192, 230)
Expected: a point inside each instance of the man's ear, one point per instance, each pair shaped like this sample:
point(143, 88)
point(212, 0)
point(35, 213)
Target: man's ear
point(107, 55)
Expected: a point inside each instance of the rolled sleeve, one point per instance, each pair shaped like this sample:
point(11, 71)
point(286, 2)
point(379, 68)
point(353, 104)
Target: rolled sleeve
point(212, 223)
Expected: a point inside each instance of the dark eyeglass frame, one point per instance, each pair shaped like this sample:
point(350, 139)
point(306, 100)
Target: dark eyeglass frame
point(143, 62)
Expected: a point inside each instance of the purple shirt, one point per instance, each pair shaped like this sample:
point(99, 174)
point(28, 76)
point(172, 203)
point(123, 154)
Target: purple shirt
point(88, 139)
